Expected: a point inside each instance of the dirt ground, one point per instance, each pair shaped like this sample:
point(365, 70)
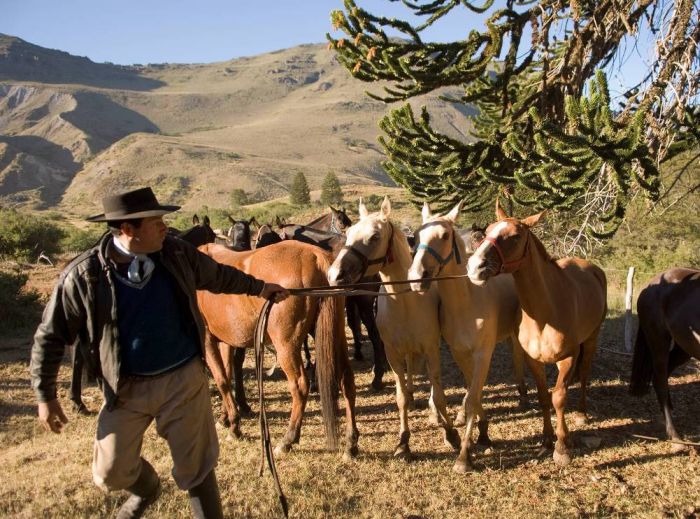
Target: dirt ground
point(613, 473)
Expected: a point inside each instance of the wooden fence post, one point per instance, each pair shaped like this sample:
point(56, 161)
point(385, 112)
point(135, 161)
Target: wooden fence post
point(628, 310)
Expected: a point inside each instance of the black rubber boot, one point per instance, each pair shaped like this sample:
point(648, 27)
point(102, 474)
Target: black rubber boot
point(205, 500)
point(143, 493)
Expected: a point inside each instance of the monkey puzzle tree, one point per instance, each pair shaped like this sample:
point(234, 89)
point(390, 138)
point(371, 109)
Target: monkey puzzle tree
point(545, 134)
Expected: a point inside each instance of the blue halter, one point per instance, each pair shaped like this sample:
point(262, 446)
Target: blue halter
point(442, 261)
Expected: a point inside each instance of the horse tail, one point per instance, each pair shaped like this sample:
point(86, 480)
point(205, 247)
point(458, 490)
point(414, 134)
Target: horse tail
point(330, 344)
point(642, 361)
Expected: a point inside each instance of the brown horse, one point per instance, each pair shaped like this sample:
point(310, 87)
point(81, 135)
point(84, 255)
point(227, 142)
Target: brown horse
point(231, 319)
point(668, 336)
point(563, 307)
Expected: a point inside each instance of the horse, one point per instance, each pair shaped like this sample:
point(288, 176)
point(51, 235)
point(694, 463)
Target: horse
point(408, 323)
point(358, 308)
point(265, 236)
point(472, 318)
point(563, 308)
point(198, 234)
point(668, 336)
point(231, 319)
point(239, 233)
point(336, 221)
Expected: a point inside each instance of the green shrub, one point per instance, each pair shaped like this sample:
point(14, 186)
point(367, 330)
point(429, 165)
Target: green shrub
point(19, 308)
point(23, 236)
point(77, 240)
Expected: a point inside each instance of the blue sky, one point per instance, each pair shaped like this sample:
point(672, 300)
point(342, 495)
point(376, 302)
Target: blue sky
point(181, 31)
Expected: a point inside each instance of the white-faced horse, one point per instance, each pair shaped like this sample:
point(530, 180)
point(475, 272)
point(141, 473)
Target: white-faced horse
point(563, 307)
point(408, 323)
point(472, 318)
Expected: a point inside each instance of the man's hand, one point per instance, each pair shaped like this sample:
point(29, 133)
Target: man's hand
point(274, 291)
point(51, 416)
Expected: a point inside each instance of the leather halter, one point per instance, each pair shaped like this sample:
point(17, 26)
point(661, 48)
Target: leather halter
point(366, 262)
point(507, 267)
point(441, 261)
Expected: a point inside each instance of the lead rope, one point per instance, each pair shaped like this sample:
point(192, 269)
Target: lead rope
point(354, 289)
point(266, 444)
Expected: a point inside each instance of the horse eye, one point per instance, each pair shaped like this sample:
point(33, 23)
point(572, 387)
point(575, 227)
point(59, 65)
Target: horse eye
point(444, 236)
point(374, 237)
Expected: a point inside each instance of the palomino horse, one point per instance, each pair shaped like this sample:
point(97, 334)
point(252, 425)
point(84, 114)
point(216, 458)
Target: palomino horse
point(668, 336)
point(231, 319)
point(408, 323)
point(563, 307)
point(472, 318)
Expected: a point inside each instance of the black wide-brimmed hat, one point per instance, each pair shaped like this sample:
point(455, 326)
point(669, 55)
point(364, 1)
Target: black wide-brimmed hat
point(140, 203)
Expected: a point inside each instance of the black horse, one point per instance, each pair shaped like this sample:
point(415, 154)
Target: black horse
point(669, 320)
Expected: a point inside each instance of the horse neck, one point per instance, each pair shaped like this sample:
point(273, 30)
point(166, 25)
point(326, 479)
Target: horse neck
point(397, 270)
point(322, 223)
point(533, 281)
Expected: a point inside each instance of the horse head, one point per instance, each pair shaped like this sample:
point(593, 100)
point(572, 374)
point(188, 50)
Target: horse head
point(266, 236)
point(437, 246)
point(239, 233)
point(340, 221)
point(504, 247)
point(367, 246)
point(199, 233)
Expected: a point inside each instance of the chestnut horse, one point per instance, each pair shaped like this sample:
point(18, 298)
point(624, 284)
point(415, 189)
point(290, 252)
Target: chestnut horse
point(472, 318)
point(668, 336)
point(408, 323)
point(231, 319)
point(563, 307)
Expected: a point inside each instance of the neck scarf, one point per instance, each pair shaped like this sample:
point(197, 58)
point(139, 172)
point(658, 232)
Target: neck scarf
point(141, 266)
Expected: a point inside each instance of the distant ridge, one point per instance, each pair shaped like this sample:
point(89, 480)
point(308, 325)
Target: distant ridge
point(72, 130)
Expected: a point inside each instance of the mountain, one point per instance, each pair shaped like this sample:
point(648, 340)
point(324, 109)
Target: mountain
point(72, 130)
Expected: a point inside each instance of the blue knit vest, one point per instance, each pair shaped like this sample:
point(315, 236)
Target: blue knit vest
point(156, 334)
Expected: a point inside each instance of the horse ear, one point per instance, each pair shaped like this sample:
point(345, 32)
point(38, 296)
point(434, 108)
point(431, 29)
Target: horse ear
point(253, 221)
point(195, 220)
point(533, 220)
point(454, 213)
point(332, 209)
point(426, 212)
point(500, 213)
point(278, 221)
point(206, 221)
point(230, 219)
point(362, 209)
point(386, 207)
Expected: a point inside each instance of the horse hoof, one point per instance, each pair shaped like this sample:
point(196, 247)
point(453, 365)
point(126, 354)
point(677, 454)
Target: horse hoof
point(460, 420)
point(678, 448)
point(580, 419)
point(462, 467)
point(434, 419)
point(561, 458)
point(452, 439)
point(350, 453)
point(246, 412)
point(282, 449)
point(402, 452)
point(377, 384)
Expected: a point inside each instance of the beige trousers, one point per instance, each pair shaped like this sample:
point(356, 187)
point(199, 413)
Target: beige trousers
point(180, 405)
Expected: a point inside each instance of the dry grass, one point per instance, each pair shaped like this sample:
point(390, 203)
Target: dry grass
point(46, 475)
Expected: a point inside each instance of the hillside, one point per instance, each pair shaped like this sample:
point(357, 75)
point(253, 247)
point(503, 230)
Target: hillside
point(72, 130)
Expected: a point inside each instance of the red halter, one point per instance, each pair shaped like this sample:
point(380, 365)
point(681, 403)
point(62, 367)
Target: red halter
point(507, 267)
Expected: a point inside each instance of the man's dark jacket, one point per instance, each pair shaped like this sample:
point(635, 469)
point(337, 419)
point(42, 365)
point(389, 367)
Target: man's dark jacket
point(83, 305)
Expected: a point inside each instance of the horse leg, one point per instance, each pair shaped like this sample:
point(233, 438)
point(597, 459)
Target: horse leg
point(398, 363)
point(562, 448)
point(410, 363)
point(519, 370)
point(212, 357)
point(661, 371)
point(482, 361)
point(290, 361)
point(367, 316)
point(584, 370)
point(355, 326)
point(237, 377)
point(545, 400)
point(310, 367)
point(352, 435)
point(438, 402)
point(466, 366)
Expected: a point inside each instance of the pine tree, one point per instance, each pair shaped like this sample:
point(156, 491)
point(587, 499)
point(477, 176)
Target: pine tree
point(545, 133)
point(331, 193)
point(299, 192)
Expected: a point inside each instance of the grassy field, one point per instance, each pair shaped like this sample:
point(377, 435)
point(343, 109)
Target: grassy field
point(46, 475)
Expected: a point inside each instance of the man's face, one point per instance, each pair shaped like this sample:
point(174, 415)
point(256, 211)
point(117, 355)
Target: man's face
point(148, 237)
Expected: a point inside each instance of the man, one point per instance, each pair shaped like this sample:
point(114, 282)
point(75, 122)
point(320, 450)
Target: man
point(131, 302)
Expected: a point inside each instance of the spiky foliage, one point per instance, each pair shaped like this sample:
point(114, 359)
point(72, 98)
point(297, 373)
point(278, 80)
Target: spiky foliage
point(541, 136)
point(299, 191)
point(331, 192)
